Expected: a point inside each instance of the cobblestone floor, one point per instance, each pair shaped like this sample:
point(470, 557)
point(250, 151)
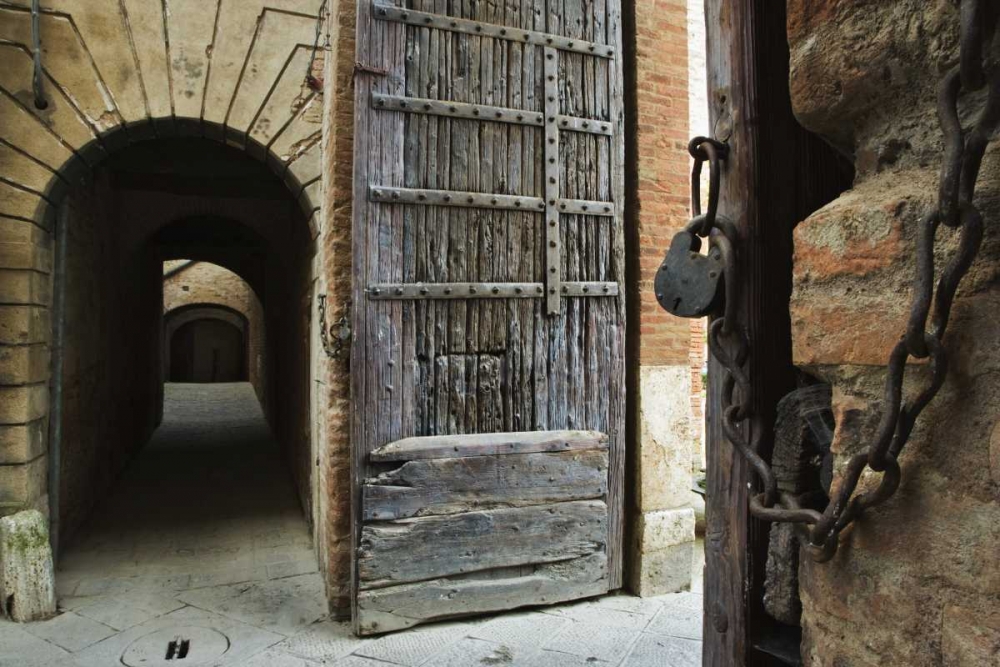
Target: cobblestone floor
point(222, 544)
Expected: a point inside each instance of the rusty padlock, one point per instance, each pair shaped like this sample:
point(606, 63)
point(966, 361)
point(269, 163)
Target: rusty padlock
point(688, 282)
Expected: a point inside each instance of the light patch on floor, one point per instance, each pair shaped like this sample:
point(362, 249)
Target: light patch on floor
point(205, 531)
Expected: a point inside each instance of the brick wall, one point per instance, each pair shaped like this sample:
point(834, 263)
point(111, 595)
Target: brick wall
point(662, 443)
point(661, 136)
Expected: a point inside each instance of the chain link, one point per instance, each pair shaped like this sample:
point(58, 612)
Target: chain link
point(929, 313)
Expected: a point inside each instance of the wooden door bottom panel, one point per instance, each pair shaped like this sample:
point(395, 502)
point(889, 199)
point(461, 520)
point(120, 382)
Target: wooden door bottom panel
point(397, 607)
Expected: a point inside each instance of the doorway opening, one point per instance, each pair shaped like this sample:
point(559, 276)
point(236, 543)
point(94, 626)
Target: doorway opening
point(181, 422)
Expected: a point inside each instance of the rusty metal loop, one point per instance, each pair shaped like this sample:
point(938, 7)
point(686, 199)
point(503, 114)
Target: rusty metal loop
point(973, 26)
point(704, 149)
point(37, 78)
point(923, 286)
point(951, 276)
point(951, 165)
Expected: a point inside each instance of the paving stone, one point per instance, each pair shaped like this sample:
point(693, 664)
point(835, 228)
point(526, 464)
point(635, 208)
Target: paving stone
point(654, 651)
point(244, 640)
point(225, 577)
point(22, 649)
point(632, 604)
point(151, 602)
point(283, 605)
point(71, 631)
point(599, 614)
point(275, 658)
point(589, 640)
point(546, 658)
point(468, 651)
point(291, 569)
point(689, 600)
point(677, 621)
point(360, 661)
point(114, 613)
point(323, 641)
point(414, 647)
point(530, 629)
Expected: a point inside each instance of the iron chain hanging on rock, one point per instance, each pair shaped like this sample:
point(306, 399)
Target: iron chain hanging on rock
point(687, 285)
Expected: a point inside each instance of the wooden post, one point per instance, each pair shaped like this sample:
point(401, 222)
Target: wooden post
point(776, 175)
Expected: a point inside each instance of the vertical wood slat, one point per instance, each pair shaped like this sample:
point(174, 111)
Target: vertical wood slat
point(553, 252)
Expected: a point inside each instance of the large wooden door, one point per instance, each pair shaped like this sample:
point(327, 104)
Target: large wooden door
point(487, 233)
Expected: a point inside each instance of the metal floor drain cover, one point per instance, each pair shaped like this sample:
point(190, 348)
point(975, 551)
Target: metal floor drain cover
point(183, 646)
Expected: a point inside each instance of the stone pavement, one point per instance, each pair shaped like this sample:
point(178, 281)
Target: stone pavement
point(218, 554)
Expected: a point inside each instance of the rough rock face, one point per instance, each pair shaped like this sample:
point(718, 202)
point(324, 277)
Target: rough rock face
point(27, 582)
point(917, 581)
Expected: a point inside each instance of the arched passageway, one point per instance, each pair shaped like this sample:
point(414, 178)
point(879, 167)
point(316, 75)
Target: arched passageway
point(230, 459)
point(207, 350)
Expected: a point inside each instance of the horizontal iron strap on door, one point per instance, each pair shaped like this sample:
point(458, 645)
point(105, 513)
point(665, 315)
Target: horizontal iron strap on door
point(442, 22)
point(397, 291)
point(447, 108)
point(387, 195)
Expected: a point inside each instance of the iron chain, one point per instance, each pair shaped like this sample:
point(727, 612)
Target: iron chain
point(923, 338)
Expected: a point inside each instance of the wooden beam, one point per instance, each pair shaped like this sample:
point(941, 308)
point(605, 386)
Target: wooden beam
point(449, 486)
point(488, 444)
point(776, 174)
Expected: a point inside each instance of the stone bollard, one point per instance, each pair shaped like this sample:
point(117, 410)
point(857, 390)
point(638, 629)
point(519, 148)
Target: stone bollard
point(27, 578)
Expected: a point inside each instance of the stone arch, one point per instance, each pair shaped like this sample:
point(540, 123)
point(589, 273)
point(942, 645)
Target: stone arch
point(178, 318)
point(174, 319)
point(117, 76)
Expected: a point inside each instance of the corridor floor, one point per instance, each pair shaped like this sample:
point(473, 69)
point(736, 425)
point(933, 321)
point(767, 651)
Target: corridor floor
point(204, 539)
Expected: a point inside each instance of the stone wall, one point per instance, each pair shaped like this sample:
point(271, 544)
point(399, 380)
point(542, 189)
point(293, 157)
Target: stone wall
point(110, 364)
point(662, 439)
point(118, 74)
point(916, 581)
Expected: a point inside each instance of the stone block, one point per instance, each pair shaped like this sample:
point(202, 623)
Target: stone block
point(20, 443)
point(20, 325)
point(24, 364)
point(661, 556)
point(21, 483)
point(969, 637)
point(666, 444)
point(24, 287)
point(27, 577)
point(18, 202)
point(19, 405)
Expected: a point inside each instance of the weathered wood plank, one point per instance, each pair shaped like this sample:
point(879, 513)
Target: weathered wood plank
point(488, 444)
point(398, 607)
point(448, 486)
point(417, 549)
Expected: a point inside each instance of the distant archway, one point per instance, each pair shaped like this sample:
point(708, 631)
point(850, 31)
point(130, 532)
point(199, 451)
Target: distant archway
point(205, 343)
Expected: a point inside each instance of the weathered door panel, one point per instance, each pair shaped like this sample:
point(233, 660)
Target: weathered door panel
point(488, 248)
